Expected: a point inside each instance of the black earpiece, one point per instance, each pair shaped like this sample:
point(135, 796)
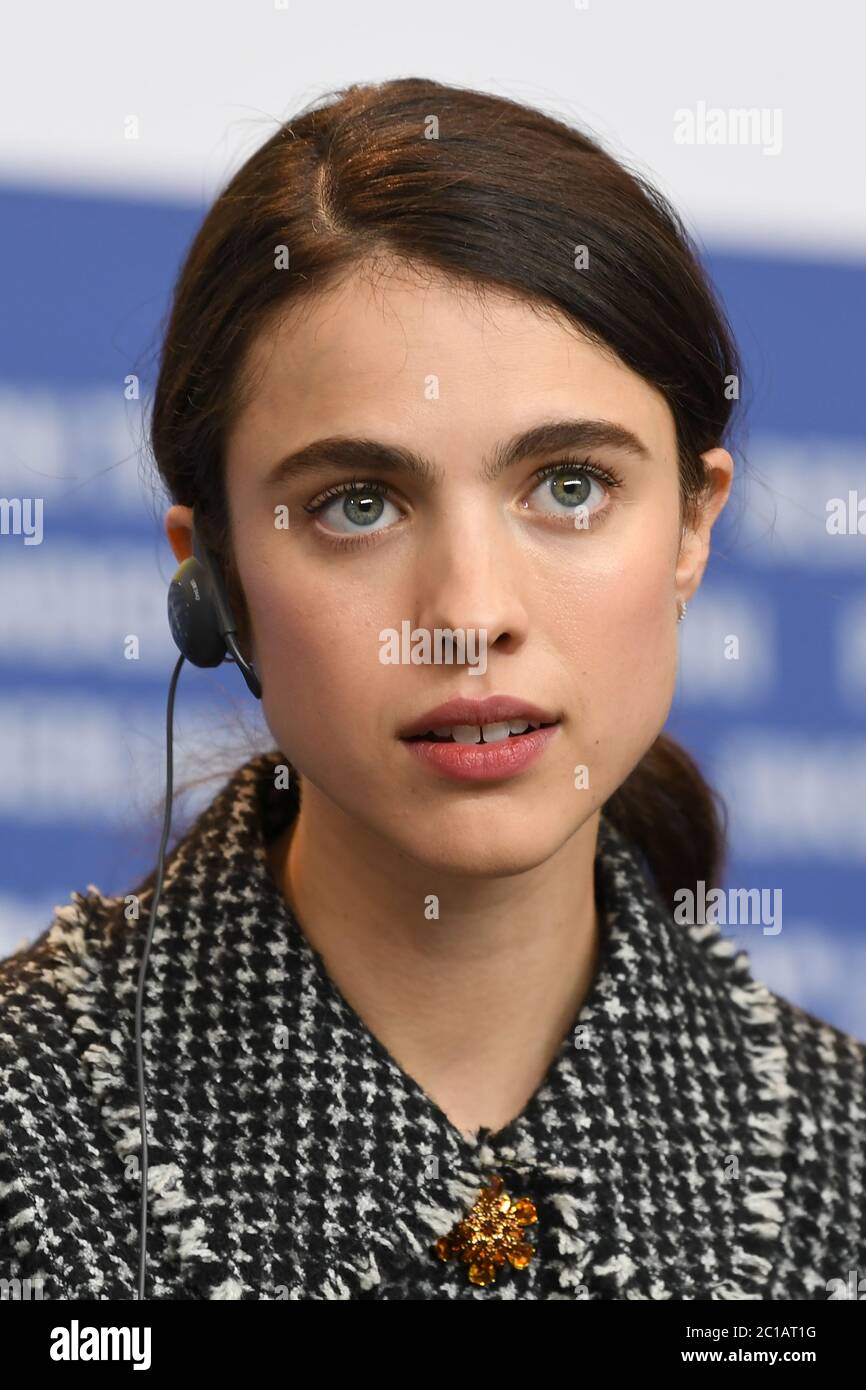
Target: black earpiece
point(200, 618)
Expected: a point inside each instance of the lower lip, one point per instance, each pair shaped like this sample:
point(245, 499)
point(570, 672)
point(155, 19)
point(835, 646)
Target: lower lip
point(483, 762)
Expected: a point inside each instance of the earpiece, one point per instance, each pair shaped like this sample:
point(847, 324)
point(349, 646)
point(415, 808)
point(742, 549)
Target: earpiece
point(200, 617)
point(205, 633)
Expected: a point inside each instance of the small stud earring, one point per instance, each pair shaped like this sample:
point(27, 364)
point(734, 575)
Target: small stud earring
point(682, 606)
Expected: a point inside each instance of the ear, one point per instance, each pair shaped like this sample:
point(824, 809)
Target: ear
point(178, 528)
point(695, 544)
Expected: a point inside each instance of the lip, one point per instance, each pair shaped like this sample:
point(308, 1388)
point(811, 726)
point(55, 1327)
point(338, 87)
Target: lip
point(462, 710)
point(483, 762)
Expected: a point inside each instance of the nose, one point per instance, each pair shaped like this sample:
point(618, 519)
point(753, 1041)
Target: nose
point(471, 577)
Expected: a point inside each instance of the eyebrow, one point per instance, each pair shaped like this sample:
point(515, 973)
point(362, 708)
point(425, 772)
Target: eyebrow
point(361, 454)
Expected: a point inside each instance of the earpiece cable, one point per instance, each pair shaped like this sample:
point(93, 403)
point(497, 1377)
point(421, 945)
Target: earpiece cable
point(139, 1004)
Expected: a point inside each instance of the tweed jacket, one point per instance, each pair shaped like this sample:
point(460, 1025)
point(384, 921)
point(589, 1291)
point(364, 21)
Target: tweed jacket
point(696, 1136)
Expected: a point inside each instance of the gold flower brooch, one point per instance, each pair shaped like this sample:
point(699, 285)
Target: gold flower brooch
point(492, 1232)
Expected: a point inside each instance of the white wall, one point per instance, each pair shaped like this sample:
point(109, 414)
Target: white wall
point(207, 79)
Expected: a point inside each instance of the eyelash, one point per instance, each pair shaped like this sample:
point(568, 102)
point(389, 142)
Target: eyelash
point(359, 485)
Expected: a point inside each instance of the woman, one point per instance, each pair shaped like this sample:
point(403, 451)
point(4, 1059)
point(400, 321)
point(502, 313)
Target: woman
point(445, 393)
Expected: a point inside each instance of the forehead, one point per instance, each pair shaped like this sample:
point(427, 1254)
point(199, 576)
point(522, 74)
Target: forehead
point(405, 351)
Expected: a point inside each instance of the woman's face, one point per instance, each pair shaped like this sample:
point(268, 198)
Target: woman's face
point(579, 619)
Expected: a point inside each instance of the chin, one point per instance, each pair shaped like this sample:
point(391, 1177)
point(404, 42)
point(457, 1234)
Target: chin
point(481, 851)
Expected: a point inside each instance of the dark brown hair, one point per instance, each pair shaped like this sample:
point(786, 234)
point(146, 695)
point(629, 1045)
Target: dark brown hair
point(490, 193)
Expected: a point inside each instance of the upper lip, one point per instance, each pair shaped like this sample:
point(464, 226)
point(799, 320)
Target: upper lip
point(461, 710)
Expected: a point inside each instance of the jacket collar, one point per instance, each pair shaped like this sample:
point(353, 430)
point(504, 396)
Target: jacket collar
point(651, 1150)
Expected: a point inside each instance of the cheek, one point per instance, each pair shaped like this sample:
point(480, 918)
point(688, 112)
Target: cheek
point(619, 626)
point(643, 667)
point(317, 655)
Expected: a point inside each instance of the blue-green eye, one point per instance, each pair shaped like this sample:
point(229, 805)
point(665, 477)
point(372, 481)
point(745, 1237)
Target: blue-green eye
point(568, 487)
point(356, 508)
point(352, 508)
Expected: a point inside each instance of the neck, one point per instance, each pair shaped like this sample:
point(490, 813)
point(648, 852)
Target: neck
point(474, 1003)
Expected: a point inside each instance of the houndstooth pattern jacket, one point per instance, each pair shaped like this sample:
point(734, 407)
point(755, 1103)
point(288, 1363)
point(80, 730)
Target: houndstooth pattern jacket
point(696, 1137)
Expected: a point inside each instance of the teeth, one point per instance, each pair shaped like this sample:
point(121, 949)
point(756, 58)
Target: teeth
point(466, 733)
point(493, 733)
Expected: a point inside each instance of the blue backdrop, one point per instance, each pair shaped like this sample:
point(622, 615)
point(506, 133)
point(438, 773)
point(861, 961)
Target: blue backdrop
point(772, 686)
